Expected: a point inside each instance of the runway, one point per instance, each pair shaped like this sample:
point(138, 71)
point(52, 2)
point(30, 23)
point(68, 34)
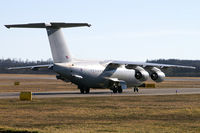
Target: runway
point(102, 93)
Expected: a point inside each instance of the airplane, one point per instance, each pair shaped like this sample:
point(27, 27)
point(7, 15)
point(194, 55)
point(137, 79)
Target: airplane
point(113, 74)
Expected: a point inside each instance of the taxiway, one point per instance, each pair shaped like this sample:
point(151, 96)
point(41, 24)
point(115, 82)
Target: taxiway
point(105, 92)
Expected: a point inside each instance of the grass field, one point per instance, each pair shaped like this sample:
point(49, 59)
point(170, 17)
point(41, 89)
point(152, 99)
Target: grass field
point(38, 83)
point(141, 114)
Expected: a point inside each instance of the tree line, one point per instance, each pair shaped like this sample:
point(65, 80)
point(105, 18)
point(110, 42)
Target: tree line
point(180, 72)
point(5, 63)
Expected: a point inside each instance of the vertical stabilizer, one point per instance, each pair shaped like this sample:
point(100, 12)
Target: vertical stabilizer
point(59, 49)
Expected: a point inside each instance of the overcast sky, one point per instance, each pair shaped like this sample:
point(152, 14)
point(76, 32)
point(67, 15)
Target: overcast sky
point(134, 30)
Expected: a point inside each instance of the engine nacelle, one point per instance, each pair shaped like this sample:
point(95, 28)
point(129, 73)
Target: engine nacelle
point(141, 74)
point(157, 75)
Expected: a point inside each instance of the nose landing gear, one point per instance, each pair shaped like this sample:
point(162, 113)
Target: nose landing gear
point(136, 89)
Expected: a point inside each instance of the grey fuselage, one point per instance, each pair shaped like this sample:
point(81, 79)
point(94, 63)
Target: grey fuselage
point(93, 74)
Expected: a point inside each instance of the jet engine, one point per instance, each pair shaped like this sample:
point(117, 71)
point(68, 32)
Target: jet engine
point(157, 75)
point(141, 74)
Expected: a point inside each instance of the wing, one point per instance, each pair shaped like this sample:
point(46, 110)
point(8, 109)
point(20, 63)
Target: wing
point(131, 65)
point(36, 67)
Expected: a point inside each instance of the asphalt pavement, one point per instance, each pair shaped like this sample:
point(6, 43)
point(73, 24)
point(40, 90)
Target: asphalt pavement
point(106, 92)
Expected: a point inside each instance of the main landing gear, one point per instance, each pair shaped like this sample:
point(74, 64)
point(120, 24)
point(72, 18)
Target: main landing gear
point(117, 89)
point(84, 90)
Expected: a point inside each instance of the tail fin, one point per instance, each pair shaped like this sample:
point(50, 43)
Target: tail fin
point(59, 49)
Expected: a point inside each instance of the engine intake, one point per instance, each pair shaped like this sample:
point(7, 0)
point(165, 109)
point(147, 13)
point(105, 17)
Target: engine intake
point(141, 74)
point(157, 75)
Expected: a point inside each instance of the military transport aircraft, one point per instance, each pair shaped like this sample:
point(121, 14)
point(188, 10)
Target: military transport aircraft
point(113, 74)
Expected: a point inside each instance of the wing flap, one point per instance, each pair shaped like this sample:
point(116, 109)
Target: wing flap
point(132, 65)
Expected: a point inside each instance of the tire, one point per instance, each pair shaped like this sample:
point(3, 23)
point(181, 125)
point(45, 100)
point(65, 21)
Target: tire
point(114, 90)
point(82, 90)
point(87, 90)
point(135, 89)
point(120, 90)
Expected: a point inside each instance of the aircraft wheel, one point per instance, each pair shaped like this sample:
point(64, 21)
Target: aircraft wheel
point(87, 90)
point(114, 90)
point(136, 89)
point(82, 90)
point(120, 90)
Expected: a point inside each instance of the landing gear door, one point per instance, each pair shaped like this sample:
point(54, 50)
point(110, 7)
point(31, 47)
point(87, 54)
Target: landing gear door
point(123, 84)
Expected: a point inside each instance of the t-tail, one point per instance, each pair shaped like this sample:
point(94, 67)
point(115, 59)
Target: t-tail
point(59, 49)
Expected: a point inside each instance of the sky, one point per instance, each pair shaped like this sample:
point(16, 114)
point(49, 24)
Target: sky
point(133, 30)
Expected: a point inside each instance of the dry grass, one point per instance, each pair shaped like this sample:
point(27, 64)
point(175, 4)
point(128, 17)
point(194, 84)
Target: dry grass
point(179, 113)
point(31, 83)
point(182, 82)
point(177, 84)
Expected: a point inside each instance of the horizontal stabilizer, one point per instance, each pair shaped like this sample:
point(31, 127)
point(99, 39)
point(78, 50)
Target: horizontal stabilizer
point(46, 25)
point(49, 66)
